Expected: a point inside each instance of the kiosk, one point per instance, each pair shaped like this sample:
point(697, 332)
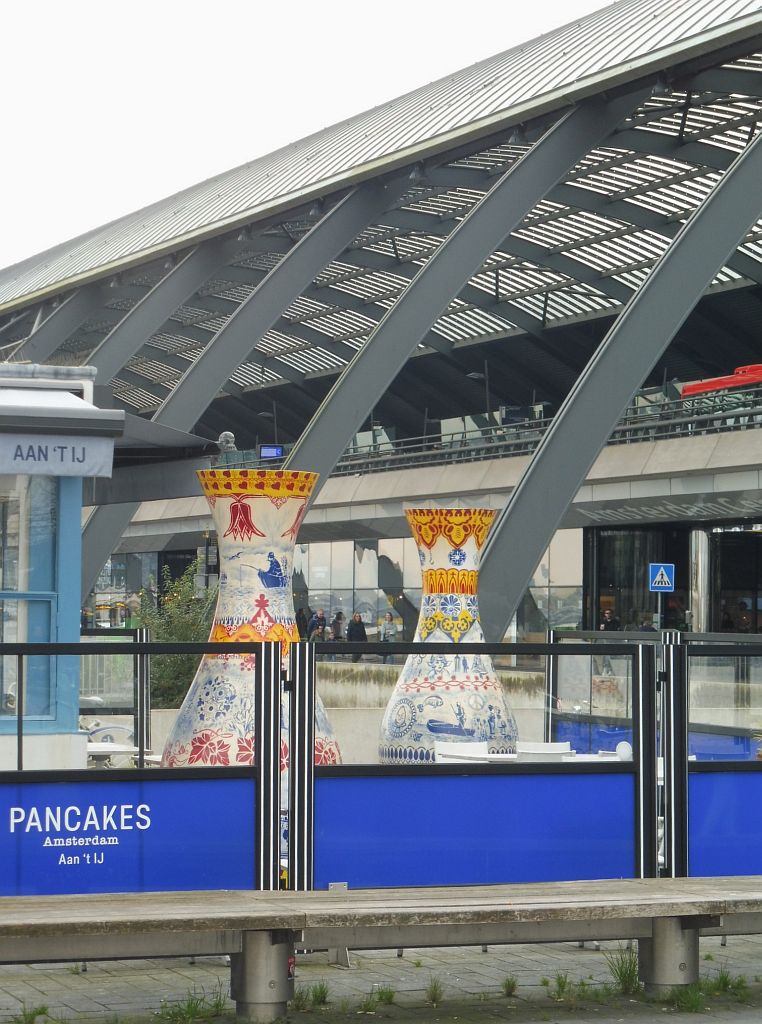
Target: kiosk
point(51, 437)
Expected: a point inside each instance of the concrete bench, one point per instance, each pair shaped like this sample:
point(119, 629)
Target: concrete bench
point(260, 930)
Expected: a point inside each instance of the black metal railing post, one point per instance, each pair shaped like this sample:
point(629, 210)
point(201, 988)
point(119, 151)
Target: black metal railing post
point(19, 712)
point(674, 760)
point(143, 696)
point(301, 778)
point(644, 735)
point(267, 703)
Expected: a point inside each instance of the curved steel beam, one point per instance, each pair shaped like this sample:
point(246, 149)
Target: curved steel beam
point(269, 300)
point(448, 271)
point(62, 322)
point(623, 360)
point(154, 309)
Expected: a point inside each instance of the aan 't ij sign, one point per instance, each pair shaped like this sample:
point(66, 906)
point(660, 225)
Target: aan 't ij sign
point(56, 455)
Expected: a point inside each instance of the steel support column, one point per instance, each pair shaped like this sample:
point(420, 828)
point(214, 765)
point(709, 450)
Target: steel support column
point(448, 271)
point(100, 535)
point(63, 321)
point(620, 365)
point(269, 300)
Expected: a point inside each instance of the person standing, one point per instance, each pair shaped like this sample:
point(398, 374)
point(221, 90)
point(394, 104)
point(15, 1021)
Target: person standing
point(318, 633)
point(356, 633)
point(388, 632)
point(301, 624)
point(609, 621)
point(337, 626)
point(317, 619)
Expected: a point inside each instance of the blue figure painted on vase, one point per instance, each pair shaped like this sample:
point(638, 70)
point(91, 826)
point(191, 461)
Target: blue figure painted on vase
point(447, 696)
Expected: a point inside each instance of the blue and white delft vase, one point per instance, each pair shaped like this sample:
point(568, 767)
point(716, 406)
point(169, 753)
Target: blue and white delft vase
point(447, 696)
point(257, 514)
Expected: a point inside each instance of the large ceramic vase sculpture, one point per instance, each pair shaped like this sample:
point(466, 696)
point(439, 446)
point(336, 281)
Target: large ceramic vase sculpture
point(256, 514)
point(447, 696)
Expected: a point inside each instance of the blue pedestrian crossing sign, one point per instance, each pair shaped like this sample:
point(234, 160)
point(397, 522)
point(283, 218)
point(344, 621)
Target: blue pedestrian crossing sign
point(661, 576)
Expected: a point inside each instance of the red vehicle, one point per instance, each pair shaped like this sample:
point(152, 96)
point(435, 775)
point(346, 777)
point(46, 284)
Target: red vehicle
point(742, 376)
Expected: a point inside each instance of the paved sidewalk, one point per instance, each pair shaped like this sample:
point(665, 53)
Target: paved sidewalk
point(553, 983)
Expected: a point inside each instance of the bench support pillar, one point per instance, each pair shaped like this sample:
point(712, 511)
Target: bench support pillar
point(670, 958)
point(259, 981)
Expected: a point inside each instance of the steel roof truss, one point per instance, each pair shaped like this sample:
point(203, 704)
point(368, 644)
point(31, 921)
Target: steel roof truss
point(65, 319)
point(445, 276)
point(620, 365)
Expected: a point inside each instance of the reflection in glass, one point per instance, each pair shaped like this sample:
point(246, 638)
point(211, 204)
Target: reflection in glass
point(593, 702)
point(565, 607)
point(27, 530)
point(342, 552)
point(408, 608)
point(320, 567)
point(725, 708)
point(366, 564)
point(366, 603)
point(301, 576)
point(339, 601)
point(26, 622)
point(411, 567)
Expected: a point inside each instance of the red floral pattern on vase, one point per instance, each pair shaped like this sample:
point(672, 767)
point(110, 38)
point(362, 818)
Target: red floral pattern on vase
point(209, 748)
point(326, 753)
point(245, 752)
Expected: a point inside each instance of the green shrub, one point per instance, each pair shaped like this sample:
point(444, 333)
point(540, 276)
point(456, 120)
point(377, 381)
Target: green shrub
point(178, 616)
point(623, 965)
point(509, 985)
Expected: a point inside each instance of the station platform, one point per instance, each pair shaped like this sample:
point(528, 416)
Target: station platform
point(553, 982)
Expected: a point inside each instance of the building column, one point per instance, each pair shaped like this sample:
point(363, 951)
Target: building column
point(698, 594)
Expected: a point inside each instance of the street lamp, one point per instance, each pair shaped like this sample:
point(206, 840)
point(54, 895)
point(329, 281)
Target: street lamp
point(274, 417)
point(479, 375)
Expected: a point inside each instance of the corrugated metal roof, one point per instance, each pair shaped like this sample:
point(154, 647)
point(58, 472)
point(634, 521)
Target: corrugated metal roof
point(615, 44)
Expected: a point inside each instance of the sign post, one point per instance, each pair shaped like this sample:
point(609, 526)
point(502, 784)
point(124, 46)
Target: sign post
point(661, 579)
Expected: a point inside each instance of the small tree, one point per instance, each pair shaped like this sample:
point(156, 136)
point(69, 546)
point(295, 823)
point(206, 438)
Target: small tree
point(180, 615)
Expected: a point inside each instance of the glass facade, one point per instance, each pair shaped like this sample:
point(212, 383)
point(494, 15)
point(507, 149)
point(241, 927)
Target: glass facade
point(370, 576)
point(554, 597)
point(736, 555)
point(617, 577)
point(120, 583)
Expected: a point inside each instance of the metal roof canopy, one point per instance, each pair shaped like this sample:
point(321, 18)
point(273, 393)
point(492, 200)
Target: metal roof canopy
point(575, 259)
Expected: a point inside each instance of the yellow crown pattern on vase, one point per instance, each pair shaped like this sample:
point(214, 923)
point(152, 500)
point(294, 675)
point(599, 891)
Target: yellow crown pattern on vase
point(456, 526)
point(270, 483)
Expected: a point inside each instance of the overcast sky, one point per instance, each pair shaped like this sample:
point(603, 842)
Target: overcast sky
point(109, 106)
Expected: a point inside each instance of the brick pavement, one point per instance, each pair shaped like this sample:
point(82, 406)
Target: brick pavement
point(471, 981)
